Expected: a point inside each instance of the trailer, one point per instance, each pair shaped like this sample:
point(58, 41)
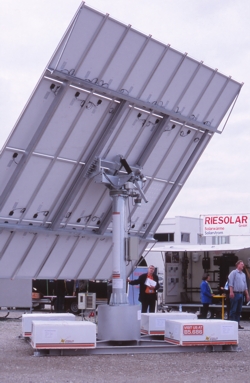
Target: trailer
point(15, 294)
point(183, 267)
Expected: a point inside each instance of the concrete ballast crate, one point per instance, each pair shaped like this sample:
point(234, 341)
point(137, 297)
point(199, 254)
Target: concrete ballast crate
point(201, 332)
point(154, 323)
point(63, 335)
point(28, 318)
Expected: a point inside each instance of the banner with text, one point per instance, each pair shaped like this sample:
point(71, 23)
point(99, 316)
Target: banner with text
point(228, 224)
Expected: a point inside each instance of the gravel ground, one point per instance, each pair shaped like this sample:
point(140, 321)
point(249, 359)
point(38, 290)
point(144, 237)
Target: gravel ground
point(18, 363)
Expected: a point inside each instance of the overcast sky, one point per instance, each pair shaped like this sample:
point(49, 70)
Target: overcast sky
point(213, 31)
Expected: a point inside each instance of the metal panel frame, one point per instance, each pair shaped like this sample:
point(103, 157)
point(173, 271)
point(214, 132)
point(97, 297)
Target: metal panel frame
point(94, 127)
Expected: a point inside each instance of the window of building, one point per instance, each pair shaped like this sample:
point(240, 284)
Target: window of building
point(164, 237)
point(221, 240)
point(185, 237)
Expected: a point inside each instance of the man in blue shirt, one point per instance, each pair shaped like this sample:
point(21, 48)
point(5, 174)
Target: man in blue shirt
point(237, 287)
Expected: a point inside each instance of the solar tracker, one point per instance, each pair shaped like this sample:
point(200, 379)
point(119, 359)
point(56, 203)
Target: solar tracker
point(114, 108)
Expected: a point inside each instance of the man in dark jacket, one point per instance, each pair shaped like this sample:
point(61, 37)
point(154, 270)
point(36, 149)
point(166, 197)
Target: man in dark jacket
point(149, 284)
point(206, 295)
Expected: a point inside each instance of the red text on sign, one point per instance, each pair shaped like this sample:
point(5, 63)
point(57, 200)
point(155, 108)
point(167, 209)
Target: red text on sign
point(193, 329)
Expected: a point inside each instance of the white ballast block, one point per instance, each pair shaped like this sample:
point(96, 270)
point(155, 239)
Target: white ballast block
point(28, 318)
point(201, 332)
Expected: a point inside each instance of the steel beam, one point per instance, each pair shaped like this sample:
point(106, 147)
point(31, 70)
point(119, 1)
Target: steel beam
point(84, 84)
point(158, 215)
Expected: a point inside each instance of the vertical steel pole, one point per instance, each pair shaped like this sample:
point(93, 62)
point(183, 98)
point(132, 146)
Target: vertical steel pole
point(119, 225)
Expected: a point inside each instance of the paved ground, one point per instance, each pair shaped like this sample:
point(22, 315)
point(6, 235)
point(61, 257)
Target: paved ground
point(18, 363)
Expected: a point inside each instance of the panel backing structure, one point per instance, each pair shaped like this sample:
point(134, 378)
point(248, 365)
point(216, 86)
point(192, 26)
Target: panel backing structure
point(109, 92)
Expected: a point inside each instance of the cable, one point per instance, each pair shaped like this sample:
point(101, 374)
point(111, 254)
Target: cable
point(169, 130)
point(159, 103)
point(182, 133)
point(145, 122)
point(54, 88)
point(124, 91)
point(89, 105)
point(15, 156)
point(129, 212)
point(103, 84)
point(97, 82)
point(71, 72)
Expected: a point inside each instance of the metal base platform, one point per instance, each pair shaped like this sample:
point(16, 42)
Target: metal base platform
point(147, 345)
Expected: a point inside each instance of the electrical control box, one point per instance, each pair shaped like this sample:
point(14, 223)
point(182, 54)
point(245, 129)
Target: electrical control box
point(133, 243)
point(87, 301)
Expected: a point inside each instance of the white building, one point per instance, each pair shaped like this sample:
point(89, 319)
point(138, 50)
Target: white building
point(186, 230)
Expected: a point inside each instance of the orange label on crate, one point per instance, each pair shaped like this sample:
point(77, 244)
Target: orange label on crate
point(196, 329)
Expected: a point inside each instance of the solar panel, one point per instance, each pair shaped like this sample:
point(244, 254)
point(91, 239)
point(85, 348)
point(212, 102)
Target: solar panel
point(109, 93)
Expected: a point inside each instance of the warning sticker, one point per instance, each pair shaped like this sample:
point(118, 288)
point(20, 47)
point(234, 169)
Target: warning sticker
point(193, 329)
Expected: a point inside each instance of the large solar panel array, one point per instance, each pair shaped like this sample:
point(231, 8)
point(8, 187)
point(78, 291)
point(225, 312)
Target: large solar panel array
point(108, 91)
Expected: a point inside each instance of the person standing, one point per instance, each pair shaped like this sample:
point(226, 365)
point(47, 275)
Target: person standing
point(206, 295)
point(149, 284)
point(238, 287)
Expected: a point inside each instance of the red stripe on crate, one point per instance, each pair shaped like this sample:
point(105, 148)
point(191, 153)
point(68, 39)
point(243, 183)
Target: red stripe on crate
point(63, 345)
point(207, 343)
point(154, 332)
point(173, 341)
